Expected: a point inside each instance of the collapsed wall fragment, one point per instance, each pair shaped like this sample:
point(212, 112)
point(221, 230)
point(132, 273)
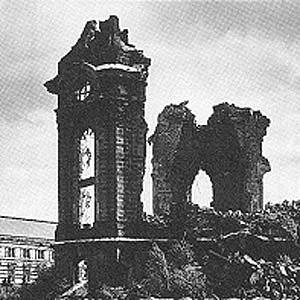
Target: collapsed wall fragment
point(172, 145)
point(228, 149)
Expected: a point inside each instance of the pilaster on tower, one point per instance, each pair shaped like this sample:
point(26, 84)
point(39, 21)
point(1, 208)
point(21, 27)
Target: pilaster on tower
point(101, 133)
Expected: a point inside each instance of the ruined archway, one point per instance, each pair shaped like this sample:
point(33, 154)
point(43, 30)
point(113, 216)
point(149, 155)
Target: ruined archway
point(82, 272)
point(201, 191)
point(228, 149)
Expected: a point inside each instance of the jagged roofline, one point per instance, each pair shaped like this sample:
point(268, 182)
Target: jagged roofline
point(234, 112)
point(98, 50)
point(108, 35)
point(172, 112)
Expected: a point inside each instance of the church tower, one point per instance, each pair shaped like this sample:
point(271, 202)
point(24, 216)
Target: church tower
point(101, 145)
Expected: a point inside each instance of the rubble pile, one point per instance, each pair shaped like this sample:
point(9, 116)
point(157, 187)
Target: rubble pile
point(244, 254)
point(220, 255)
point(278, 222)
point(239, 275)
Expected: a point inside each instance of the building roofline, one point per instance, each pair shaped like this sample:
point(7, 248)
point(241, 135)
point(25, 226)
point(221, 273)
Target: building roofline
point(23, 238)
point(29, 220)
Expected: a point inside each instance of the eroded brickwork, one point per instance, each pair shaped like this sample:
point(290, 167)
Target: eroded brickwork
point(228, 149)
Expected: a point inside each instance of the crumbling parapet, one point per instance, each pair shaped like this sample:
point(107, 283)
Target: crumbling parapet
point(99, 48)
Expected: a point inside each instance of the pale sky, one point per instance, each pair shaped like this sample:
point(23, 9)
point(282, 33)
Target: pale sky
point(246, 53)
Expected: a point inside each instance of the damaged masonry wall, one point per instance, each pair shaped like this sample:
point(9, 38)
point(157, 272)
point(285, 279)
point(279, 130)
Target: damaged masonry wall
point(228, 149)
point(176, 131)
point(101, 88)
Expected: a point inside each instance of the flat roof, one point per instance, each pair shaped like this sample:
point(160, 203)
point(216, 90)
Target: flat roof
point(31, 228)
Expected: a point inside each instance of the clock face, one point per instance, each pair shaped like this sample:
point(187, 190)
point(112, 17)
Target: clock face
point(84, 92)
point(87, 154)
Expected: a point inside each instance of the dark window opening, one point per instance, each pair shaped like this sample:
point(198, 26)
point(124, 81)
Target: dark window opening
point(39, 254)
point(84, 92)
point(9, 252)
point(26, 253)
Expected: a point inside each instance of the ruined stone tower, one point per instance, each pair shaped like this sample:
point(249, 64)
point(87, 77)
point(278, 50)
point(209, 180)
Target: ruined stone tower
point(101, 147)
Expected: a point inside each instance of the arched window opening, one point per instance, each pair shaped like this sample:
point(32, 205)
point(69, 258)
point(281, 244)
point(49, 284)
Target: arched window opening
point(202, 191)
point(84, 92)
point(87, 206)
point(87, 179)
point(82, 274)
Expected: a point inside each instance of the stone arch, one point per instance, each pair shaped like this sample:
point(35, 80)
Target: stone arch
point(221, 157)
point(81, 271)
point(228, 149)
point(201, 191)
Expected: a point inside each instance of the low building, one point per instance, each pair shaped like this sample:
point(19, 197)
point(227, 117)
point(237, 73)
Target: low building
point(25, 247)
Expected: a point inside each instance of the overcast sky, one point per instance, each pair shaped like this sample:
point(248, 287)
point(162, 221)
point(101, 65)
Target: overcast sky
point(246, 53)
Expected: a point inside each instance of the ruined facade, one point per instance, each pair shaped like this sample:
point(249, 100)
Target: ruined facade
point(101, 83)
point(228, 149)
point(101, 148)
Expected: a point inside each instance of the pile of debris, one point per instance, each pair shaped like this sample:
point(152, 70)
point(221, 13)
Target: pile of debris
point(239, 275)
point(244, 254)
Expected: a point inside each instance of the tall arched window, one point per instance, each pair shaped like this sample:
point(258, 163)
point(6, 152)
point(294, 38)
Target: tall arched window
point(87, 179)
point(82, 275)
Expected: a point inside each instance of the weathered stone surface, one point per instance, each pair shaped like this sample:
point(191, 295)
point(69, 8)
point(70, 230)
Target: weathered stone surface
point(173, 136)
point(101, 86)
point(228, 149)
point(237, 165)
point(113, 108)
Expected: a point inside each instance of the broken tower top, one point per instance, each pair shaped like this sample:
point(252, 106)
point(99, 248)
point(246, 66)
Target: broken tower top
point(106, 47)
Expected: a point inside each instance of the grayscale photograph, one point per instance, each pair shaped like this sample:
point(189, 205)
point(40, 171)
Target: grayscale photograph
point(150, 150)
